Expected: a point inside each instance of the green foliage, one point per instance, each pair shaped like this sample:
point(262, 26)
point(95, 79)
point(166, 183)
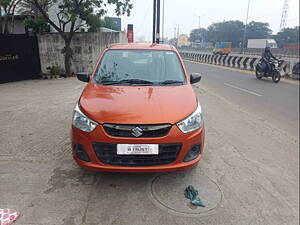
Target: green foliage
point(227, 31)
point(231, 31)
point(5, 4)
point(71, 11)
point(77, 13)
point(95, 23)
point(123, 7)
point(258, 30)
point(9, 6)
point(27, 7)
point(54, 70)
point(288, 35)
point(38, 24)
point(197, 35)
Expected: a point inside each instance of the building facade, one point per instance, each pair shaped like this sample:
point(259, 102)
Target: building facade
point(183, 41)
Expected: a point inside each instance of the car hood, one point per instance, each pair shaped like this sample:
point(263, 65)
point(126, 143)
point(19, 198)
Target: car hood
point(138, 104)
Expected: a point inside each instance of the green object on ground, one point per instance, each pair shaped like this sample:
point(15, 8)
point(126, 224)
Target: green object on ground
point(191, 193)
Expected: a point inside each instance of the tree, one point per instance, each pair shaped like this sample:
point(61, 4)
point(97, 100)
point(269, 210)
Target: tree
point(197, 35)
point(95, 23)
point(73, 14)
point(288, 35)
point(231, 31)
point(27, 7)
point(258, 30)
point(9, 7)
point(37, 23)
point(227, 31)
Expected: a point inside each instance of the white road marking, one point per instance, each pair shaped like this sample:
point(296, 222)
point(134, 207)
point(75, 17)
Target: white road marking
point(242, 89)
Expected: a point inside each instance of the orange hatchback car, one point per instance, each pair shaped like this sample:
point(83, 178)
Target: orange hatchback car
point(138, 112)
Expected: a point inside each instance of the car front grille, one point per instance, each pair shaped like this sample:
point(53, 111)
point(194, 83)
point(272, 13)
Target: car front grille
point(137, 131)
point(107, 154)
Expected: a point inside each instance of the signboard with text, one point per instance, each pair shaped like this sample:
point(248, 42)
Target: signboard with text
point(19, 58)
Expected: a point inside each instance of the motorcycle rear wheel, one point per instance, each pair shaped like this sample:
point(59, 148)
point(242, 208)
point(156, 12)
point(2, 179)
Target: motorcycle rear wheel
point(276, 77)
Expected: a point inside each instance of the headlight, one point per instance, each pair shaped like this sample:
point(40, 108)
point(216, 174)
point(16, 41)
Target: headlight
point(82, 122)
point(192, 122)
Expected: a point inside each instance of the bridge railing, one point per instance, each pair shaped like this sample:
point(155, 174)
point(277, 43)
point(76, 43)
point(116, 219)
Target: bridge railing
point(239, 62)
point(255, 52)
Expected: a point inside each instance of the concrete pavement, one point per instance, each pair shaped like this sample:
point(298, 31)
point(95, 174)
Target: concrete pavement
point(249, 175)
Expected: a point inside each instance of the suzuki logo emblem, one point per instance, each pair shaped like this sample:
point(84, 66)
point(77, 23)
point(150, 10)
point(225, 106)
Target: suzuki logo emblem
point(137, 132)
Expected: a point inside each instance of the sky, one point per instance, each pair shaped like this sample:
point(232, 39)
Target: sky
point(184, 14)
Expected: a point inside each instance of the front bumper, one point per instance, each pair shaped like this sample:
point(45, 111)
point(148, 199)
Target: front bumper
point(174, 136)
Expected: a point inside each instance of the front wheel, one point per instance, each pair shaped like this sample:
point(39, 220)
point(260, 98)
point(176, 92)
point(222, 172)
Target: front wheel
point(276, 77)
point(258, 74)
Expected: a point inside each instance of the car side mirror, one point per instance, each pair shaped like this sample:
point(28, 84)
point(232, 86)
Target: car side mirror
point(83, 76)
point(195, 77)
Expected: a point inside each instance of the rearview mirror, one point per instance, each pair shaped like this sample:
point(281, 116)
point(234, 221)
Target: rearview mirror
point(83, 76)
point(195, 77)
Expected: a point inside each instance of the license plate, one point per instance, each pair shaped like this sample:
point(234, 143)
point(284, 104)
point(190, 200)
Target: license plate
point(137, 149)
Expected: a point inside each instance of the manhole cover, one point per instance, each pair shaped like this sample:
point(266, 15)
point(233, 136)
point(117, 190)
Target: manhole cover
point(167, 191)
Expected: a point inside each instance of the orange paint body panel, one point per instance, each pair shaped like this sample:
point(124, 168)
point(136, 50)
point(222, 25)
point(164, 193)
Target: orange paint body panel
point(145, 104)
point(138, 105)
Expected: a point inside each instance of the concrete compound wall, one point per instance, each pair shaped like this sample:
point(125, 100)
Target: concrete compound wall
point(240, 62)
point(86, 49)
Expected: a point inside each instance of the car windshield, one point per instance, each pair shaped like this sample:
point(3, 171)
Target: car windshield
point(140, 67)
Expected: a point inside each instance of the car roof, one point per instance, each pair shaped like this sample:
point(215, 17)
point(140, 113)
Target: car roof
point(143, 46)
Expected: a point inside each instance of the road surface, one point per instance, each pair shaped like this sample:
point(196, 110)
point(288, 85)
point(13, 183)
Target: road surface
point(249, 174)
point(276, 103)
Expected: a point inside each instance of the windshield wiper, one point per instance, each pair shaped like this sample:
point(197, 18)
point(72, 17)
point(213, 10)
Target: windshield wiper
point(109, 82)
point(126, 81)
point(136, 81)
point(166, 82)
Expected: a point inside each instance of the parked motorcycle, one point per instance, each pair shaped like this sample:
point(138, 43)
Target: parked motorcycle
point(273, 72)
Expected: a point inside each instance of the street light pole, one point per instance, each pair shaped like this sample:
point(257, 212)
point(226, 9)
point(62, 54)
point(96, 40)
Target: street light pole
point(163, 22)
point(245, 29)
point(158, 23)
point(154, 22)
point(199, 20)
